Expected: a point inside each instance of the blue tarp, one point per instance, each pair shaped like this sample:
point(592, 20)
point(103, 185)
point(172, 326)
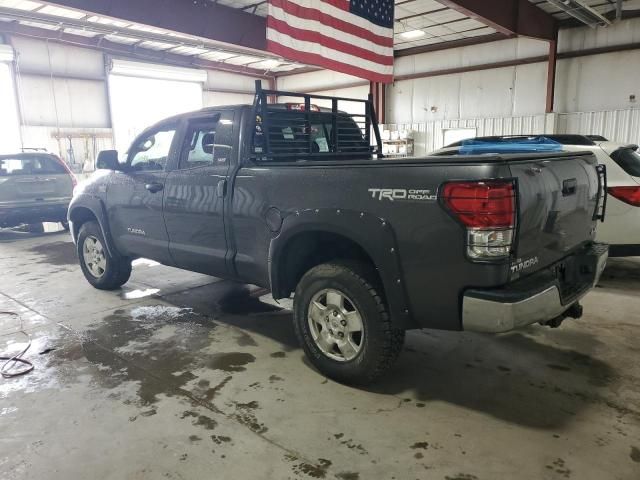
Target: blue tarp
point(510, 145)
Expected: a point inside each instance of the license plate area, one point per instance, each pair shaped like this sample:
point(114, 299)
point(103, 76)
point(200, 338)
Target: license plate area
point(575, 274)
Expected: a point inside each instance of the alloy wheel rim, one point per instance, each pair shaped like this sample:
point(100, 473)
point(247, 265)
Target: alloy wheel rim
point(94, 257)
point(336, 325)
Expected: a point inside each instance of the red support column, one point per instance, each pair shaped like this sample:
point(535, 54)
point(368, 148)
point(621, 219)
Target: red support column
point(377, 90)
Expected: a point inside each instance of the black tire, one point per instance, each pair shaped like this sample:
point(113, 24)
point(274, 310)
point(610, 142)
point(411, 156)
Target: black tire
point(381, 343)
point(117, 270)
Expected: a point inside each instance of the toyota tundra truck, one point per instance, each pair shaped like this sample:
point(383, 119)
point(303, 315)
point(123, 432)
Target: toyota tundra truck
point(297, 197)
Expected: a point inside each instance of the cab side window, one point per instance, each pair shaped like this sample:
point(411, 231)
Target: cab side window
point(200, 145)
point(207, 141)
point(151, 152)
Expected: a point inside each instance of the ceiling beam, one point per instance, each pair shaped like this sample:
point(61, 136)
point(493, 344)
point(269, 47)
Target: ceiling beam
point(201, 18)
point(131, 51)
point(509, 17)
point(435, 47)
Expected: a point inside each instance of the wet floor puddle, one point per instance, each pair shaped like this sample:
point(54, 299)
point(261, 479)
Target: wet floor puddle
point(56, 253)
point(151, 352)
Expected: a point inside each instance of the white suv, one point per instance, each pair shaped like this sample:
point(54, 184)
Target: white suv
point(621, 228)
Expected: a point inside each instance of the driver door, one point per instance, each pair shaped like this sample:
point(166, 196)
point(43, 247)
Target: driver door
point(134, 197)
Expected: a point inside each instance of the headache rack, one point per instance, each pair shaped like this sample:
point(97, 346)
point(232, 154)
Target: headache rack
point(313, 127)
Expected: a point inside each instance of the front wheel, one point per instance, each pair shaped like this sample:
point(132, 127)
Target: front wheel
point(101, 270)
point(343, 324)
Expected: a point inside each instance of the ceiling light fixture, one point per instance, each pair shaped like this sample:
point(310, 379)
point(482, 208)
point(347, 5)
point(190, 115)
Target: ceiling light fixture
point(270, 63)
point(412, 34)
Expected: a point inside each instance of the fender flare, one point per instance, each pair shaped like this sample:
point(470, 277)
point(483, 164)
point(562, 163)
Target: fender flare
point(96, 206)
point(373, 234)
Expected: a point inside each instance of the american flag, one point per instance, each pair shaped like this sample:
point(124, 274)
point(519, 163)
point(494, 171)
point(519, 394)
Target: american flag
point(348, 36)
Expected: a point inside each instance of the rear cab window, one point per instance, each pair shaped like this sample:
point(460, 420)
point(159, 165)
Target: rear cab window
point(313, 128)
point(290, 138)
point(30, 165)
point(628, 158)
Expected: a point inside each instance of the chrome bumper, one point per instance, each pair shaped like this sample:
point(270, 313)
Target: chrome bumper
point(481, 315)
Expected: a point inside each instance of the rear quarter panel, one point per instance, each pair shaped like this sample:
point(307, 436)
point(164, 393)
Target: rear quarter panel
point(428, 244)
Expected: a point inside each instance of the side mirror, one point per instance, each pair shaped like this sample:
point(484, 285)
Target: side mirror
point(108, 160)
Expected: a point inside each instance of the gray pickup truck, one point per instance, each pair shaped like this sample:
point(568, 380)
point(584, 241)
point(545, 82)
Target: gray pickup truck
point(297, 198)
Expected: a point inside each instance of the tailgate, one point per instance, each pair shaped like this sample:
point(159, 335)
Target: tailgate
point(32, 178)
point(558, 198)
point(35, 188)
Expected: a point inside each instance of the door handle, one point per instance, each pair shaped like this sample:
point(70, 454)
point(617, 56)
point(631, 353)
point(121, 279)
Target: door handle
point(154, 187)
point(221, 189)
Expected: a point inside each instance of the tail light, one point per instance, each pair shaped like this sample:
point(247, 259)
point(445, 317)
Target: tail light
point(488, 211)
point(630, 195)
point(74, 180)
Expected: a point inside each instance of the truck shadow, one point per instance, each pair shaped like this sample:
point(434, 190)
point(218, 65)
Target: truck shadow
point(621, 274)
point(522, 377)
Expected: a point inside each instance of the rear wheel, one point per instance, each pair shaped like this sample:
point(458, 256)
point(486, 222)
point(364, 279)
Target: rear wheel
point(343, 324)
point(101, 270)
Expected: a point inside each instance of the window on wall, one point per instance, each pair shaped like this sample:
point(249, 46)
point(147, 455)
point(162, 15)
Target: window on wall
point(143, 94)
point(9, 121)
point(452, 135)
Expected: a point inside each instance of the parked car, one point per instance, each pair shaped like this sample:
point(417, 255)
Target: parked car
point(293, 198)
point(34, 187)
point(621, 228)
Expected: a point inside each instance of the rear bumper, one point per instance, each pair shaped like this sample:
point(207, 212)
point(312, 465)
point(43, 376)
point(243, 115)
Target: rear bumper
point(46, 212)
point(539, 298)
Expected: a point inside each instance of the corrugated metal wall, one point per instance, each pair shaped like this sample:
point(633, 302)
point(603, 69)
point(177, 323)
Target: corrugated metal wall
point(616, 125)
point(429, 136)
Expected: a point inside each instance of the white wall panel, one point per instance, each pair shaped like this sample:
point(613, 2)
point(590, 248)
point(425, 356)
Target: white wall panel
point(315, 81)
point(501, 51)
point(51, 58)
point(487, 93)
point(510, 91)
point(424, 99)
point(215, 99)
point(63, 102)
point(231, 80)
point(530, 89)
point(354, 108)
point(598, 82)
point(9, 121)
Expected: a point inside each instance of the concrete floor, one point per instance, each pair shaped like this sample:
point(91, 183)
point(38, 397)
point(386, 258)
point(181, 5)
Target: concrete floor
point(184, 376)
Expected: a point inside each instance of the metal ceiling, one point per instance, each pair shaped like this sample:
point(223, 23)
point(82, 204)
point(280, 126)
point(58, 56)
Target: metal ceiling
point(419, 24)
point(31, 13)
point(600, 6)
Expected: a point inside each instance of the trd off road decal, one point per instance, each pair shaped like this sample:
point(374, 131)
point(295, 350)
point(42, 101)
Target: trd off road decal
point(403, 194)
